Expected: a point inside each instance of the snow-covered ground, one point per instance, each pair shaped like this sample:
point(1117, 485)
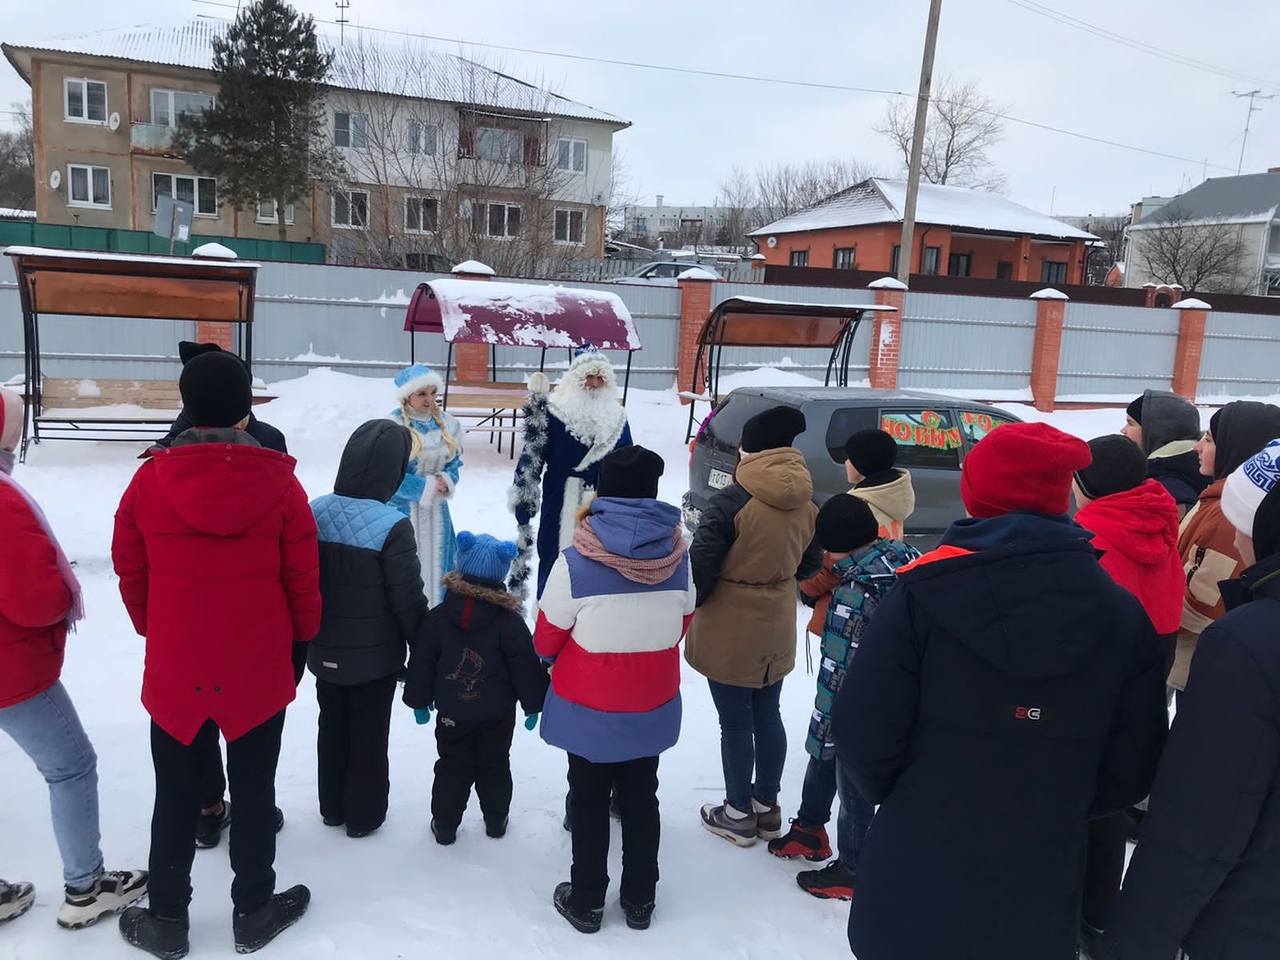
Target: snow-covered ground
point(398, 894)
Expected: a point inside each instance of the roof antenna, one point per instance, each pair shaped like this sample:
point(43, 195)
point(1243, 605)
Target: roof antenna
point(1252, 95)
point(342, 21)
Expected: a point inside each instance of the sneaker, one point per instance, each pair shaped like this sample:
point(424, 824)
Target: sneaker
point(832, 882)
point(497, 829)
point(209, 832)
point(161, 937)
point(768, 819)
point(444, 836)
point(253, 931)
point(584, 921)
point(638, 915)
point(15, 899)
point(110, 893)
point(801, 841)
point(740, 830)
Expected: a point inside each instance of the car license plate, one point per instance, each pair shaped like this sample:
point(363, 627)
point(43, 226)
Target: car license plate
point(719, 479)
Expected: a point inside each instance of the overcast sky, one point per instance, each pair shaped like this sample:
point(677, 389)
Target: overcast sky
point(689, 130)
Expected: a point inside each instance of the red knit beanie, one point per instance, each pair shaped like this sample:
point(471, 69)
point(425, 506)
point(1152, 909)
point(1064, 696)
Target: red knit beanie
point(1022, 466)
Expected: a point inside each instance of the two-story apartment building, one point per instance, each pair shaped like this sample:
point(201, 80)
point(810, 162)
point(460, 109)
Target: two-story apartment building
point(441, 156)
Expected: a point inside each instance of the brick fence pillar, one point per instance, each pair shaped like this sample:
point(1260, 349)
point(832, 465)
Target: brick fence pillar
point(471, 360)
point(695, 308)
point(213, 331)
point(1051, 309)
point(1186, 359)
point(886, 333)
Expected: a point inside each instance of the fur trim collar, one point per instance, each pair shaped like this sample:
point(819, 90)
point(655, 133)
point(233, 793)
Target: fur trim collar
point(455, 582)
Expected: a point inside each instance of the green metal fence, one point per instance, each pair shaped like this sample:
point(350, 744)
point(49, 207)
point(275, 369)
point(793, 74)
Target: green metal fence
point(27, 233)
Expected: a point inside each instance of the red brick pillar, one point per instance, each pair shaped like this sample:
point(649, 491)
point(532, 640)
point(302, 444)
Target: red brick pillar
point(886, 333)
point(695, 308)
point(1051, 309)
point(471, 360)
point(212, 331)
point(1186, 359)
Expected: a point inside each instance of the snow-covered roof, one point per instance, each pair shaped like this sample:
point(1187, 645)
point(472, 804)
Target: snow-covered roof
point(122, 257)
point(399, 67)
point(1253, 198)
point(882, 201)
point(10, 213)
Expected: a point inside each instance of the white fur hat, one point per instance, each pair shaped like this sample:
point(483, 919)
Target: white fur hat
point(417, 377)
point(589, 361)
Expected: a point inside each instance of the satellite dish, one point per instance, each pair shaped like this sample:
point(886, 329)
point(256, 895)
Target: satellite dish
point(772, 242)
point(55, 180)
point(113, 122)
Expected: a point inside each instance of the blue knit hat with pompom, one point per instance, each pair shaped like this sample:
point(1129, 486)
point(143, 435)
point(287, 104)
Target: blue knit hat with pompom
point(484, 557)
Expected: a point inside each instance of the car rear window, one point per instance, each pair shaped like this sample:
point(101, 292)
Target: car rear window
point(724, 429)
point(926, 437)
point(976, 424)
point(844, 423)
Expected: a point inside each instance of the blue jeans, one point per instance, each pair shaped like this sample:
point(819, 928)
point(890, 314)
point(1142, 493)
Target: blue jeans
point(48, 730)
point(752, 740)
point(823, 779)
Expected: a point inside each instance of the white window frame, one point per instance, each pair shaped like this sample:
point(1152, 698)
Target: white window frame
point(84, 84)
point(350, 195)
point(90, 203)
point(423, 201)
point(568, 240)
point(505, 135)
point(352, 127)
point(506, 219)
point(259, 218)
point(195, 191)
point(428, 136)
point(169, 95)
point(571, 166)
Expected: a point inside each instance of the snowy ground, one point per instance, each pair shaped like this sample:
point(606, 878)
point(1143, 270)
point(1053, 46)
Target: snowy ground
point(397, 894)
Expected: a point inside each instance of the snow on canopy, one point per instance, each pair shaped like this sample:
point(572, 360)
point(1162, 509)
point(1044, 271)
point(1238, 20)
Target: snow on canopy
point(521, 315)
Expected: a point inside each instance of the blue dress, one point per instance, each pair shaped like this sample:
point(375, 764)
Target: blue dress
point(419, 499)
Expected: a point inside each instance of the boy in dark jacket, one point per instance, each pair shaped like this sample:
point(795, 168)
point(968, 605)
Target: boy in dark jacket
point(1205, 876)
point(473, 658)
point(1006, 690)
point(373, 604)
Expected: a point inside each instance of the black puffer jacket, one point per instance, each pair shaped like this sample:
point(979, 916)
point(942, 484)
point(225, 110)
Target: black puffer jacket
point(473, 657)
point(370, 579)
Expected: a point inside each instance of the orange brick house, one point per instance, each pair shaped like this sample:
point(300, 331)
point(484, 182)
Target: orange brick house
point(959, 232)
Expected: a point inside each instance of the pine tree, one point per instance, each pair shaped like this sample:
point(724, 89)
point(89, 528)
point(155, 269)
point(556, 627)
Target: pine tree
point(265, 136)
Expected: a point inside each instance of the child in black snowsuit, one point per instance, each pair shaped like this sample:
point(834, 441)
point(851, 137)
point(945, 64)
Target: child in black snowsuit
point(473, 659)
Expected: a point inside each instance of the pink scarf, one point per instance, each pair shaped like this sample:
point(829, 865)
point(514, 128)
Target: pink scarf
point(76, 613)
point(648, 572)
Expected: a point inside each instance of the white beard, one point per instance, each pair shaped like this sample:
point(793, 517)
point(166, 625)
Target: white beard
point(588, 415)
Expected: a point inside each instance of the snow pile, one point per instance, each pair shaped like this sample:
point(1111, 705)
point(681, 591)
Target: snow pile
point(215, 251)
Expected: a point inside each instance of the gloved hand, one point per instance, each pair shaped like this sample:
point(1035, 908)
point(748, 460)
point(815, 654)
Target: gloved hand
point(531, 721)
point(423, 715)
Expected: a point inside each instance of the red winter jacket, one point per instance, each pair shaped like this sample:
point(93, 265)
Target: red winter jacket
point(33, 604)
point(1138, 532)
point(215, 546)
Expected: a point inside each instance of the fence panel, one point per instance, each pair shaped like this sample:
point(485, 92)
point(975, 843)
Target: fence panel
point(1111, 352)
point(966, 343)
point(1240, 356)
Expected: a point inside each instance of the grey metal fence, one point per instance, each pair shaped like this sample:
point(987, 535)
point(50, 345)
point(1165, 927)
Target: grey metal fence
point(970, 343)
point(1111, 352)
point(1241, 356)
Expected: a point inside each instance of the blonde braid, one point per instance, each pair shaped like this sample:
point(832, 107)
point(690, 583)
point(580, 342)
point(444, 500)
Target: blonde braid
point(415, 448)
point(438, 416)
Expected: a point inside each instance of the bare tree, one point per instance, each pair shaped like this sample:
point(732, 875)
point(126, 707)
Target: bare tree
point(1196, 255)
point(963, 127)
point(749, 199)
point(18, 163)
point(623, 192)
point(1111, 231)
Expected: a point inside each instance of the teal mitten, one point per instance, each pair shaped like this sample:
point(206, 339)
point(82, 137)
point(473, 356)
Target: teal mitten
point(531, 720)
point(423, 715)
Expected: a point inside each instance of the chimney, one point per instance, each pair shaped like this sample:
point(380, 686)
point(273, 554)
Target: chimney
point(659, 201)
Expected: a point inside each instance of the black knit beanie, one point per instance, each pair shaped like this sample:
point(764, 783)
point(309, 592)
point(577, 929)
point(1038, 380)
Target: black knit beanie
point(871, 452)
point(630, 473)
point(845, 523)
point(216, 389)
point(776, 427)
point(1118, 465)
point(1134, 410)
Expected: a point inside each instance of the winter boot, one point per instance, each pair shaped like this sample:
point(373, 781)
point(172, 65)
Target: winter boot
point(832, 882)
point(727, 821)
point(161, 937)
point(255, 930)
point(209, 832)
point(110, 893)
point(445, 836)
point(497, 829)
point(768, 819)
point(334, 821)
point(801, 841)
point(638, 914)
point(15, 899)
point(584, 921)
point(1091, 942)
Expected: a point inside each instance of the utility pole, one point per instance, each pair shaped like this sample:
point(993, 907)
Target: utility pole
point(917, 142)
point(1252, 95)
point(342, 21)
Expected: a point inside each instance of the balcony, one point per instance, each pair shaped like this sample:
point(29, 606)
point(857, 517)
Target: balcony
point(152, 138)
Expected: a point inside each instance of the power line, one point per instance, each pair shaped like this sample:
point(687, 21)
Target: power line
point(776, 81)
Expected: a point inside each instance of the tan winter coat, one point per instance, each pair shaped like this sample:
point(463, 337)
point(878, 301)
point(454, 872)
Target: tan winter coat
point(890, 503)
point(754, 540)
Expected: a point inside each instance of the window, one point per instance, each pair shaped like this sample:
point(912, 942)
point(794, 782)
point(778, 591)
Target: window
point(723, 428)
point(976, 424)
point(350, 209)
point(844, 423)
point(167, 106)
point(925, 437)
point(893, 260)
point(570, 226)
point(1053, 271)
point(501, 146)
point(350, 130)
point(932, 260)
point(422, 138)
point(1004, 270)
point(267, 212)
point(88, 186)
point(959, 264)
point(86, 100)
point(799, 258)
point(421, 214)
point(200, 192)
point(845, 258)
point(495, 219)
point(571, 155)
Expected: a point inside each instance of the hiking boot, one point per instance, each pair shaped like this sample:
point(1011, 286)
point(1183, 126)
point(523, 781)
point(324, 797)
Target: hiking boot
point(16, 899)
point(255, 930)
point(161, 937)
point(811, 843)
point(497, 829)
point(110, 893)
point(768, 819)
point(209, 832)
point(638, 915)
point(741, 830)
point(445, 836)
point(832, 882)
point(584, 921)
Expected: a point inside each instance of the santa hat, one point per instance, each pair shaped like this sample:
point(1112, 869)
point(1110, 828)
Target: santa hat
point(1248, 485)
point(417, 377)
point(11, 411)
point(588, 360)
point(1022, 466)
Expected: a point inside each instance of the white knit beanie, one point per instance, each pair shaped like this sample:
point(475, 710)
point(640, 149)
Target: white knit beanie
point(1248, 485)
